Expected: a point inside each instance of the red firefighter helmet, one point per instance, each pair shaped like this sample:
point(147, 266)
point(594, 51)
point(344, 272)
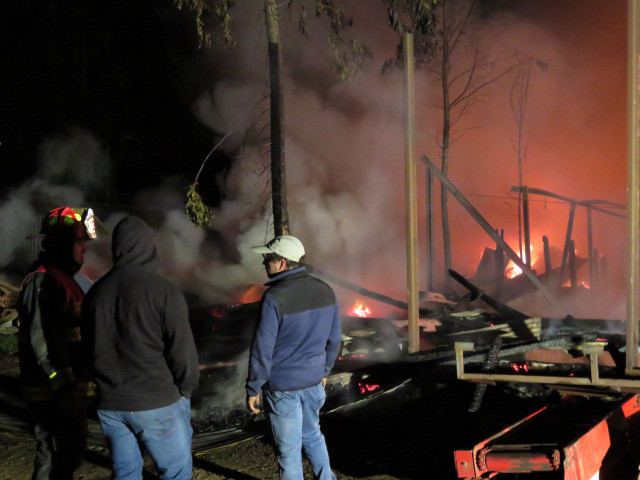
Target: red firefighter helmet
point(63, 221)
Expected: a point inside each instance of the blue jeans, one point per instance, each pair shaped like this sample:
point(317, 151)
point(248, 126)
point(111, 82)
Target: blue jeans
point(165, 432)
point(295, 421)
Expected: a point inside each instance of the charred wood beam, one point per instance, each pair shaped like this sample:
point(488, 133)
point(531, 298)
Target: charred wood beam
point(363, 291)
point(584, 203)
point(489, 364)
point(527, 226)
point(547, 256)
point(491, 232)
point(430, 253)
point(567, 240)
point(499, 268)
point(515, 319)
point(492, 302)
point(573, 273)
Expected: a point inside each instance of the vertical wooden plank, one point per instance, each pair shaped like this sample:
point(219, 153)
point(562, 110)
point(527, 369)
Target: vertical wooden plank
point(633, 181)
point(573, 274)
point(590, 247)
point(411, 195)
point(429, 209)
point(596, 282)
point(499, 269)
point(527, 229)
point(567, 240)
point(547, 255)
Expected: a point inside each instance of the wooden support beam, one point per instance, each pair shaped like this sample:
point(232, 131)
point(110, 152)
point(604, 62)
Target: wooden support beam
point(499, 269)
point(527, 226)
point(593, 380)
point(573, 273)
point(496, 238)
point(547, 256)
point(493, 303)
point(633, 183)
point(430, 254)
point(590, 246)
point(567, 240)
point(583, 203)
point(411, 193)
point(595, 282)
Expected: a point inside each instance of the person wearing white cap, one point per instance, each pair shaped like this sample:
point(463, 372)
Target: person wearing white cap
point(295, 345)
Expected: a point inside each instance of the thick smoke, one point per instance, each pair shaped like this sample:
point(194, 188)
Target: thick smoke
point(70, 167)
point(344, 147)
point(344, 150)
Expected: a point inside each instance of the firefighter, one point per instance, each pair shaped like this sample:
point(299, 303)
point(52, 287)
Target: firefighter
point(55, 383)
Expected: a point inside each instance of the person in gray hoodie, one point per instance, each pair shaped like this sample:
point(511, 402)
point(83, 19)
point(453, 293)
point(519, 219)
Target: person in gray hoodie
point(142, 354)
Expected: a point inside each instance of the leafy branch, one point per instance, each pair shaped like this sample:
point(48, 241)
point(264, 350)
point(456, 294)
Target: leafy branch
point(196, 210)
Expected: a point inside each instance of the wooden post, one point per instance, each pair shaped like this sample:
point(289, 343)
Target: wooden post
point(633, 182)
point(430, 256)
point(547, 256)
point(496, 238)
point(596, 271)
point(411, 195)
point(573, 274)
point(499, 269)
point(567, 240)
point(590, 247)
point(603, 273)
point(527, 229)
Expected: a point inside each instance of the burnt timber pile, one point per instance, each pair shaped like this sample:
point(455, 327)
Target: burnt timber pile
point(374, 359)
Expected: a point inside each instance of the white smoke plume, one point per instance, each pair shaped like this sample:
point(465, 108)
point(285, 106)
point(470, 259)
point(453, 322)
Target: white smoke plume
point(69, 166)
point(344, 145)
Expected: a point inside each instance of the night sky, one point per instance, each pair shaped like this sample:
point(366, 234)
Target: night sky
point(113, 104)
point(123, 71)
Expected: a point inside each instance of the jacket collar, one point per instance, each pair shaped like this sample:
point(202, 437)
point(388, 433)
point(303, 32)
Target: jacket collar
point(288, 275)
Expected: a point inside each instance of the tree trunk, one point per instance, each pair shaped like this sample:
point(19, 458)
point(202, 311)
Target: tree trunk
point(444, 155)
point(278, 174)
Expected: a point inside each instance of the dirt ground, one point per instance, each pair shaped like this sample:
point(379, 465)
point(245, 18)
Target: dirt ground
point(396, 436)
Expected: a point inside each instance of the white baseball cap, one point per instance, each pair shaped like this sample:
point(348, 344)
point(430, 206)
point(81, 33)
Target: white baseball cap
point(287, 246)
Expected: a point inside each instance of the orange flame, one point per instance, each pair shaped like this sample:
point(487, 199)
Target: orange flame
point(361, 311)
point(514, 270)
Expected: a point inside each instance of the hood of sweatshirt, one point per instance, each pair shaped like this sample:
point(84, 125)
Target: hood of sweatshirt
point(133, 244)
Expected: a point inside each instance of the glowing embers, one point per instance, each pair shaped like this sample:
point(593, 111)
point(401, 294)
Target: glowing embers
point(352, 356)
point(365, 388)
point(360, 310)
point(514, 270)
point(521, 366)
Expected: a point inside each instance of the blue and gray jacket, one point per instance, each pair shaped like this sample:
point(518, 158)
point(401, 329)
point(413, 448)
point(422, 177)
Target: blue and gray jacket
point(298, 337)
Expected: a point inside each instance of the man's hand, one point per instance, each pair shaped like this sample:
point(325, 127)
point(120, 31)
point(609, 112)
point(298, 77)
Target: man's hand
point(324, 382)
point(254, 403)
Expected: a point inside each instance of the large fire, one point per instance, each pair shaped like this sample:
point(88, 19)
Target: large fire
point(514, 270)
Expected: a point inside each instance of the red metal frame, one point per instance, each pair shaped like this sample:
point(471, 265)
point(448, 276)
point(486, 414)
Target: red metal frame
point(578, 459)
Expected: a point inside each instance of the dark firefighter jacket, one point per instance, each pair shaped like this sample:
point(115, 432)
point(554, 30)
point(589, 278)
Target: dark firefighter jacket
point(136, 329)
point(49, 339)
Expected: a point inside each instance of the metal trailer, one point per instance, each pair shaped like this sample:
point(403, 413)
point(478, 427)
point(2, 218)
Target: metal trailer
point(578, 438)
